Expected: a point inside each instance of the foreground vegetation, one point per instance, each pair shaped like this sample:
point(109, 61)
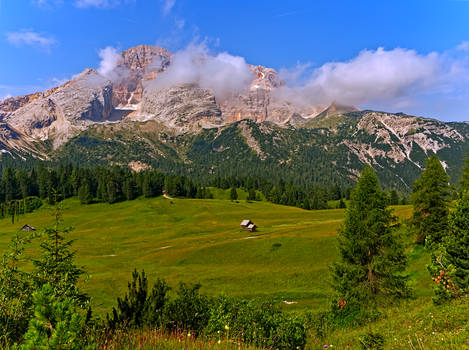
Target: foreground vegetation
point(265, 299)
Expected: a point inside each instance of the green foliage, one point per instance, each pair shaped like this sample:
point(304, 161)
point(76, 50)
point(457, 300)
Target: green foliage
point(189, 310)
point(56, 265)
point(57, 324)
point(394, 198)
point(259, 324)
point(371, 257)
point(16, 287)
point(85, 194)
point(449, 266)
point(372, 341)
point(464, 179)
point(233, 194)
point(430, 198)
point(139, 307)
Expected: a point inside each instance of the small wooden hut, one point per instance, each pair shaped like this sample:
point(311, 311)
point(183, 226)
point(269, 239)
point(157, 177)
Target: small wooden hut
point(28, 228)
point(248, 225)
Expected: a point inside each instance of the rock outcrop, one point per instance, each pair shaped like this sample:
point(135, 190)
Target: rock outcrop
point(186, 107)
point(137, 64)
point(60, 113)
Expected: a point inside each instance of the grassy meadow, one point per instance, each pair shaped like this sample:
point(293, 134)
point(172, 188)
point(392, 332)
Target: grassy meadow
point(191, 240)
point(194, 240)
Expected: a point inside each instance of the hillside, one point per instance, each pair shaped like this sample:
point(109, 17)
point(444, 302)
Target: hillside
point(287, 260)
point(200, 241)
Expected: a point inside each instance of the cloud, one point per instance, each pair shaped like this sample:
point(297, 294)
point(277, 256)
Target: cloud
point(224, 74)
point(168, 6)
point(30, 38)
point(102, 4)
point(373, 76)
point(109, 60)
point(464, 46)
point(47, 3)
point(179, 23)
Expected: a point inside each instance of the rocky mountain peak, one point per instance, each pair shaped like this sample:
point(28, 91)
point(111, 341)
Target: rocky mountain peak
point(338, 108)
point(138, 64)
point(141, 57)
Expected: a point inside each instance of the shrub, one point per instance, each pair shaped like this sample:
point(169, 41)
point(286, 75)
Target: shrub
point(56, 324)
point(371, 340)
point(138, 307)
point(190, 310)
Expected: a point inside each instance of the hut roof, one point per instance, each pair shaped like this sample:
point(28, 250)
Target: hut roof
point(252, 226)
point(28, 228)
point(245, 222)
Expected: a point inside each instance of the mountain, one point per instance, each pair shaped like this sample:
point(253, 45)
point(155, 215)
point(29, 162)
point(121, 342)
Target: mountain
point(127, 118)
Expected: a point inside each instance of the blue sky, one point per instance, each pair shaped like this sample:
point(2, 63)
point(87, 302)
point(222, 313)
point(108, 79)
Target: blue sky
point(43, 42)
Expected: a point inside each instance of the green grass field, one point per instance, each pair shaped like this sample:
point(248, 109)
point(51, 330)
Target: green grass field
point(200, 241)
point(193, 240)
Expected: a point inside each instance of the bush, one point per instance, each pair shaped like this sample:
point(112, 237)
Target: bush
point(190, 310)
point(372, 340)
point(56, 324)
point(138, 307)
point(258, 324)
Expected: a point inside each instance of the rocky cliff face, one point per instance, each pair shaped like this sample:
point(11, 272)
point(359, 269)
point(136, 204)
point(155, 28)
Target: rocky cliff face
point(183, 108)
point(137, 64)
point(60, 113)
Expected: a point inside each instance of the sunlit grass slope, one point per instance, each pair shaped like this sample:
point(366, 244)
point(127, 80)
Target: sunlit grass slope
point(201, 241)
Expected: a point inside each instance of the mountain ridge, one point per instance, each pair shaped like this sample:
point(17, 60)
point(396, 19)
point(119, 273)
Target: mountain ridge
point(127, 107)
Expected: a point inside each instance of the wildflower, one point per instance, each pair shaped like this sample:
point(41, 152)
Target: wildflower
point(226, 327)
point(189, 334)
point(325, 346)
point(219, 341)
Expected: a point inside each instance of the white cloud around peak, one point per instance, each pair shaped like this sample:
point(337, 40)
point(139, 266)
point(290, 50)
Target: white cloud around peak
point(380, 77)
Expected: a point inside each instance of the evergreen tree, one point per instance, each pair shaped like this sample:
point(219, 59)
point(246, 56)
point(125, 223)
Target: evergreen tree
point(130, 188)
point(16, 289)
point(56, 324)
point(9, 184)
point(139, 307)
point(450, 261)
point(84, 194)
point(464, 182)
point(342, 204)
point(251, 194)
point(56, 266)
point(233, 194)
point(372, 259)
point(430, 198)
point(394, 198)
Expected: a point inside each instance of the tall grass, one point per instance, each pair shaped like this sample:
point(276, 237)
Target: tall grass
point(147, 339)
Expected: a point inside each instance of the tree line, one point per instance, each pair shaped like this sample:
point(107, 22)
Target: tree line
point(20, 188)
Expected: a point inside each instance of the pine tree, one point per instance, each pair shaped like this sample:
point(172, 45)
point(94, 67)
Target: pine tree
point(372, 260)
point(84, 193)
point(464, 182)
point(139, 307)
point(233, 194)
point(430, 198)
point(251, 194)
point(56, 265)
point(450, 261)
point(56, 324)
point(394, 198)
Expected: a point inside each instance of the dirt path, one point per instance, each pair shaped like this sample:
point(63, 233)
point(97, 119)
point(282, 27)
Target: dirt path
point(166, 196)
